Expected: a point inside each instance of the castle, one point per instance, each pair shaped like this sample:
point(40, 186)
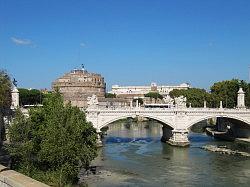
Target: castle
point(77, 85)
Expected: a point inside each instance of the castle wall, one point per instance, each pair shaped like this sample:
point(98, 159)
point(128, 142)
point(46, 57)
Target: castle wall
point(78, 85)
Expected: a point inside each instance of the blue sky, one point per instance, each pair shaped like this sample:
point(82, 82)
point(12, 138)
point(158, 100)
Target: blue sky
point(130, 42)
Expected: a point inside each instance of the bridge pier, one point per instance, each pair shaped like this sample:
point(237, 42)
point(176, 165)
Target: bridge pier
point(166, 133)
point(179, 138)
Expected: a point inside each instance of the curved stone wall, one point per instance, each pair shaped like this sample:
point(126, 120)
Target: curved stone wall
point(77, 85)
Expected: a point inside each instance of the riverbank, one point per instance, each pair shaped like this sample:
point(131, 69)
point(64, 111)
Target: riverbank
point(99, 175)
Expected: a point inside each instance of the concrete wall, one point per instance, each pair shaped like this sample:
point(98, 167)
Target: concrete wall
point(10, 178)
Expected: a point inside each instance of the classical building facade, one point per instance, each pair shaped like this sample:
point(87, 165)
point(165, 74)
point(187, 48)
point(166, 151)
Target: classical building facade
point(139, 91)
point(77, 85)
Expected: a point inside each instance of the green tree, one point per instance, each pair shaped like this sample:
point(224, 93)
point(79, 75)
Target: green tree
point(248, 96)
point(110, 95)
point(154, 95)
point(195, 96)
point(226, 91)
point(5, 100)
point(30, 97)
point(53, 143)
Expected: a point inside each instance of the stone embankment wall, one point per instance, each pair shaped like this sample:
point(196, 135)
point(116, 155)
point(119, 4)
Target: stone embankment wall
point(10, 178)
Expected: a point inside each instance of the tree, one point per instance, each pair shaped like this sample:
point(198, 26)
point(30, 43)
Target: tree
point(5, 100)
point(30, 97)
point(195, 96)
point(248, 96)
point(53, 143)
point(154, 95)
point(226, 91)
point(110, 95)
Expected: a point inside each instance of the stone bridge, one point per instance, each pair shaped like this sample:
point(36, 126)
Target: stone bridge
point(176, 120)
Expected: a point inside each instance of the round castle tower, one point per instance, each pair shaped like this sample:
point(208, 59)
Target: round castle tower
point(77, 85)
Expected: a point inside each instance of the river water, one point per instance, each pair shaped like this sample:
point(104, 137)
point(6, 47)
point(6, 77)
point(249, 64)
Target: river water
point(134, 150)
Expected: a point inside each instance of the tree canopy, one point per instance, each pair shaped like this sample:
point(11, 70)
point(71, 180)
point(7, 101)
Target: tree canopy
point(154, 95)
point(5, 100)
point(5, 91)
point(195, 96)
point(225, 91)
point(30, 96)
point(110, 95)
point(53, 143)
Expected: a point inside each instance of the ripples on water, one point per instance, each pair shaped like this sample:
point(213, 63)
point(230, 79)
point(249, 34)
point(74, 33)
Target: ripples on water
point(137, 150)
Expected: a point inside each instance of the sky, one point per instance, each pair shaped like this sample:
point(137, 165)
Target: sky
point(129, 42)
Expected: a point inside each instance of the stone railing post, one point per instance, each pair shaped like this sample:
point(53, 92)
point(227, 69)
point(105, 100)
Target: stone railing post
point(221, 105)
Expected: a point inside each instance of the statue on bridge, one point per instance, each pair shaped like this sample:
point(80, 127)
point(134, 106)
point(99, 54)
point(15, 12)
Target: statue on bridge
point(180, 102)
point(168, 100)
point(92, 101)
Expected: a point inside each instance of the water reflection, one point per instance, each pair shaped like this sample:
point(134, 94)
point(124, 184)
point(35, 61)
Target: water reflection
point(135, 130)
point(136, 148)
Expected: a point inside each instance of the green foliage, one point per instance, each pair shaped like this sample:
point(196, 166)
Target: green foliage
point(154, 95)
point(53, 143)
point(225, 91)
point(5, 91)
point(195, 96)
point(110, 95)
point(5, 100)
point(30, 97)
point(248, 95)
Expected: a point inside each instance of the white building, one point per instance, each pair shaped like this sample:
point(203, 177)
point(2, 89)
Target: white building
point(141, 90)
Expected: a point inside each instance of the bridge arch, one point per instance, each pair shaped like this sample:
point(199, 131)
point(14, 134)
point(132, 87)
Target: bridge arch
point(202, 118)
point(106, 123)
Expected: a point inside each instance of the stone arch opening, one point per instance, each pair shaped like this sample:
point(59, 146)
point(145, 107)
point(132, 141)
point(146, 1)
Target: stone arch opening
point(166, 130)
point(164, 123)
point(234, 126)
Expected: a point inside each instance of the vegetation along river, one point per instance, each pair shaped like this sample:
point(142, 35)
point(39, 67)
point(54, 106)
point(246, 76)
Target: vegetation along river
point(133, 155)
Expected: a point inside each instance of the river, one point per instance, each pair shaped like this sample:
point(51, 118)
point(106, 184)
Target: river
point(133, 155)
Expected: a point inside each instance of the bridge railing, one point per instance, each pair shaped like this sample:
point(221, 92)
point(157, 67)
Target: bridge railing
point(128, 108)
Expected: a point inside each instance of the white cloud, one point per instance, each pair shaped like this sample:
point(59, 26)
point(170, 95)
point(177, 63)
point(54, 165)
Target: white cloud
point(82, 44)
point(19, 41)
